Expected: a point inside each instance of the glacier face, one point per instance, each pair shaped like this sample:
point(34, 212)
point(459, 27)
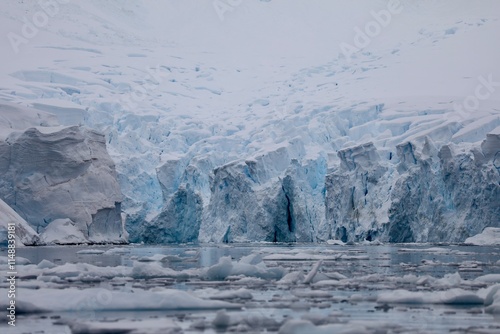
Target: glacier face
point(451, 198)
point(224, 134)
point(419, 193)
point(56, 173)
point(246, 203)
point(429, 195)
point(25, 235)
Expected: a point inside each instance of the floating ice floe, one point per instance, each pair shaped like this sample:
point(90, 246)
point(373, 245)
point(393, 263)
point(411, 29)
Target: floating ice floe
point(451, 297)
point(19, 260)
point(298, 257)
point(91, 251)
point(489, 278)
point(294, 277)
point(226, 267)
point(62, 231)
point(335, 242)
point(251, 320)
point(489, 237)
point(165, 326)
point(154, 269)
point(97, 299)
point(434, 250)
point(117, 250)
point(153, 258)
point(358, 327)
point(235, 294)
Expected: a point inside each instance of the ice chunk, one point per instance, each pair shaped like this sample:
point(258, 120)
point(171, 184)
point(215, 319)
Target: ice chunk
point(234, 294)
point(225, 267)
point(403, 297)
point(166, 326)
point(302, 256)
point(153, 258)
point(116, 250)
point(259, 271)
point(335, 242)
point(292, 278)
point(249, 321)
point(490, 236)
point(19, 260)
point(220, 270)
point(97, 299)
point(45, 264)
point(489, 294)
point(150, 270)
point(460, 297)
point(294, 326)
point(254, 258)
point(492, 299)
point(222, 320)
point(62, 231)
point(490, 278)
point(90, 251)
point(309, 278)
point(453, 296)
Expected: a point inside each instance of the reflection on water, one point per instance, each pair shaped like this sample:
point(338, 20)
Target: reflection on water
point(382, 259)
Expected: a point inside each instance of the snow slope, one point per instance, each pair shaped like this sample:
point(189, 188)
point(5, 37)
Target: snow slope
point(255, 124)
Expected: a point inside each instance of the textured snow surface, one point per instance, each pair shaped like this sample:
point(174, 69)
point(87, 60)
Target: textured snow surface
point(255, 125)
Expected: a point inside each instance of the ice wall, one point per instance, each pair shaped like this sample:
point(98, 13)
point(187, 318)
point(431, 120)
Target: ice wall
point(25, 235)
point(224, 134)
point(419, 192)
point(49, 173)
point(428, 195)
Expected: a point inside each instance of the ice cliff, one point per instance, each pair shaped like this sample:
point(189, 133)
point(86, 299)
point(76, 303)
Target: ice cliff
point(420, 194)
point(245, 131)
point(52, 173)
point(25, 235)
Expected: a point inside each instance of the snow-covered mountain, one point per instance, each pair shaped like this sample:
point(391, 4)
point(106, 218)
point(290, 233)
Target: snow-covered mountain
point(278, 120)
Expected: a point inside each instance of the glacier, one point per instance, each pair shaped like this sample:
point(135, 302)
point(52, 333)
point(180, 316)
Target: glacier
point(361, 288)
point(225, 135)
point(49, 173)
point(24, 233)
point(421, 194)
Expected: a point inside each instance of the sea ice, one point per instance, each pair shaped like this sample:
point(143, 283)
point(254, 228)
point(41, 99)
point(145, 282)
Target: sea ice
point(490, 236)
point(97, 299)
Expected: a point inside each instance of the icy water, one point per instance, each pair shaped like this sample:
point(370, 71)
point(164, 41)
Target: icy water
point(348, 293)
